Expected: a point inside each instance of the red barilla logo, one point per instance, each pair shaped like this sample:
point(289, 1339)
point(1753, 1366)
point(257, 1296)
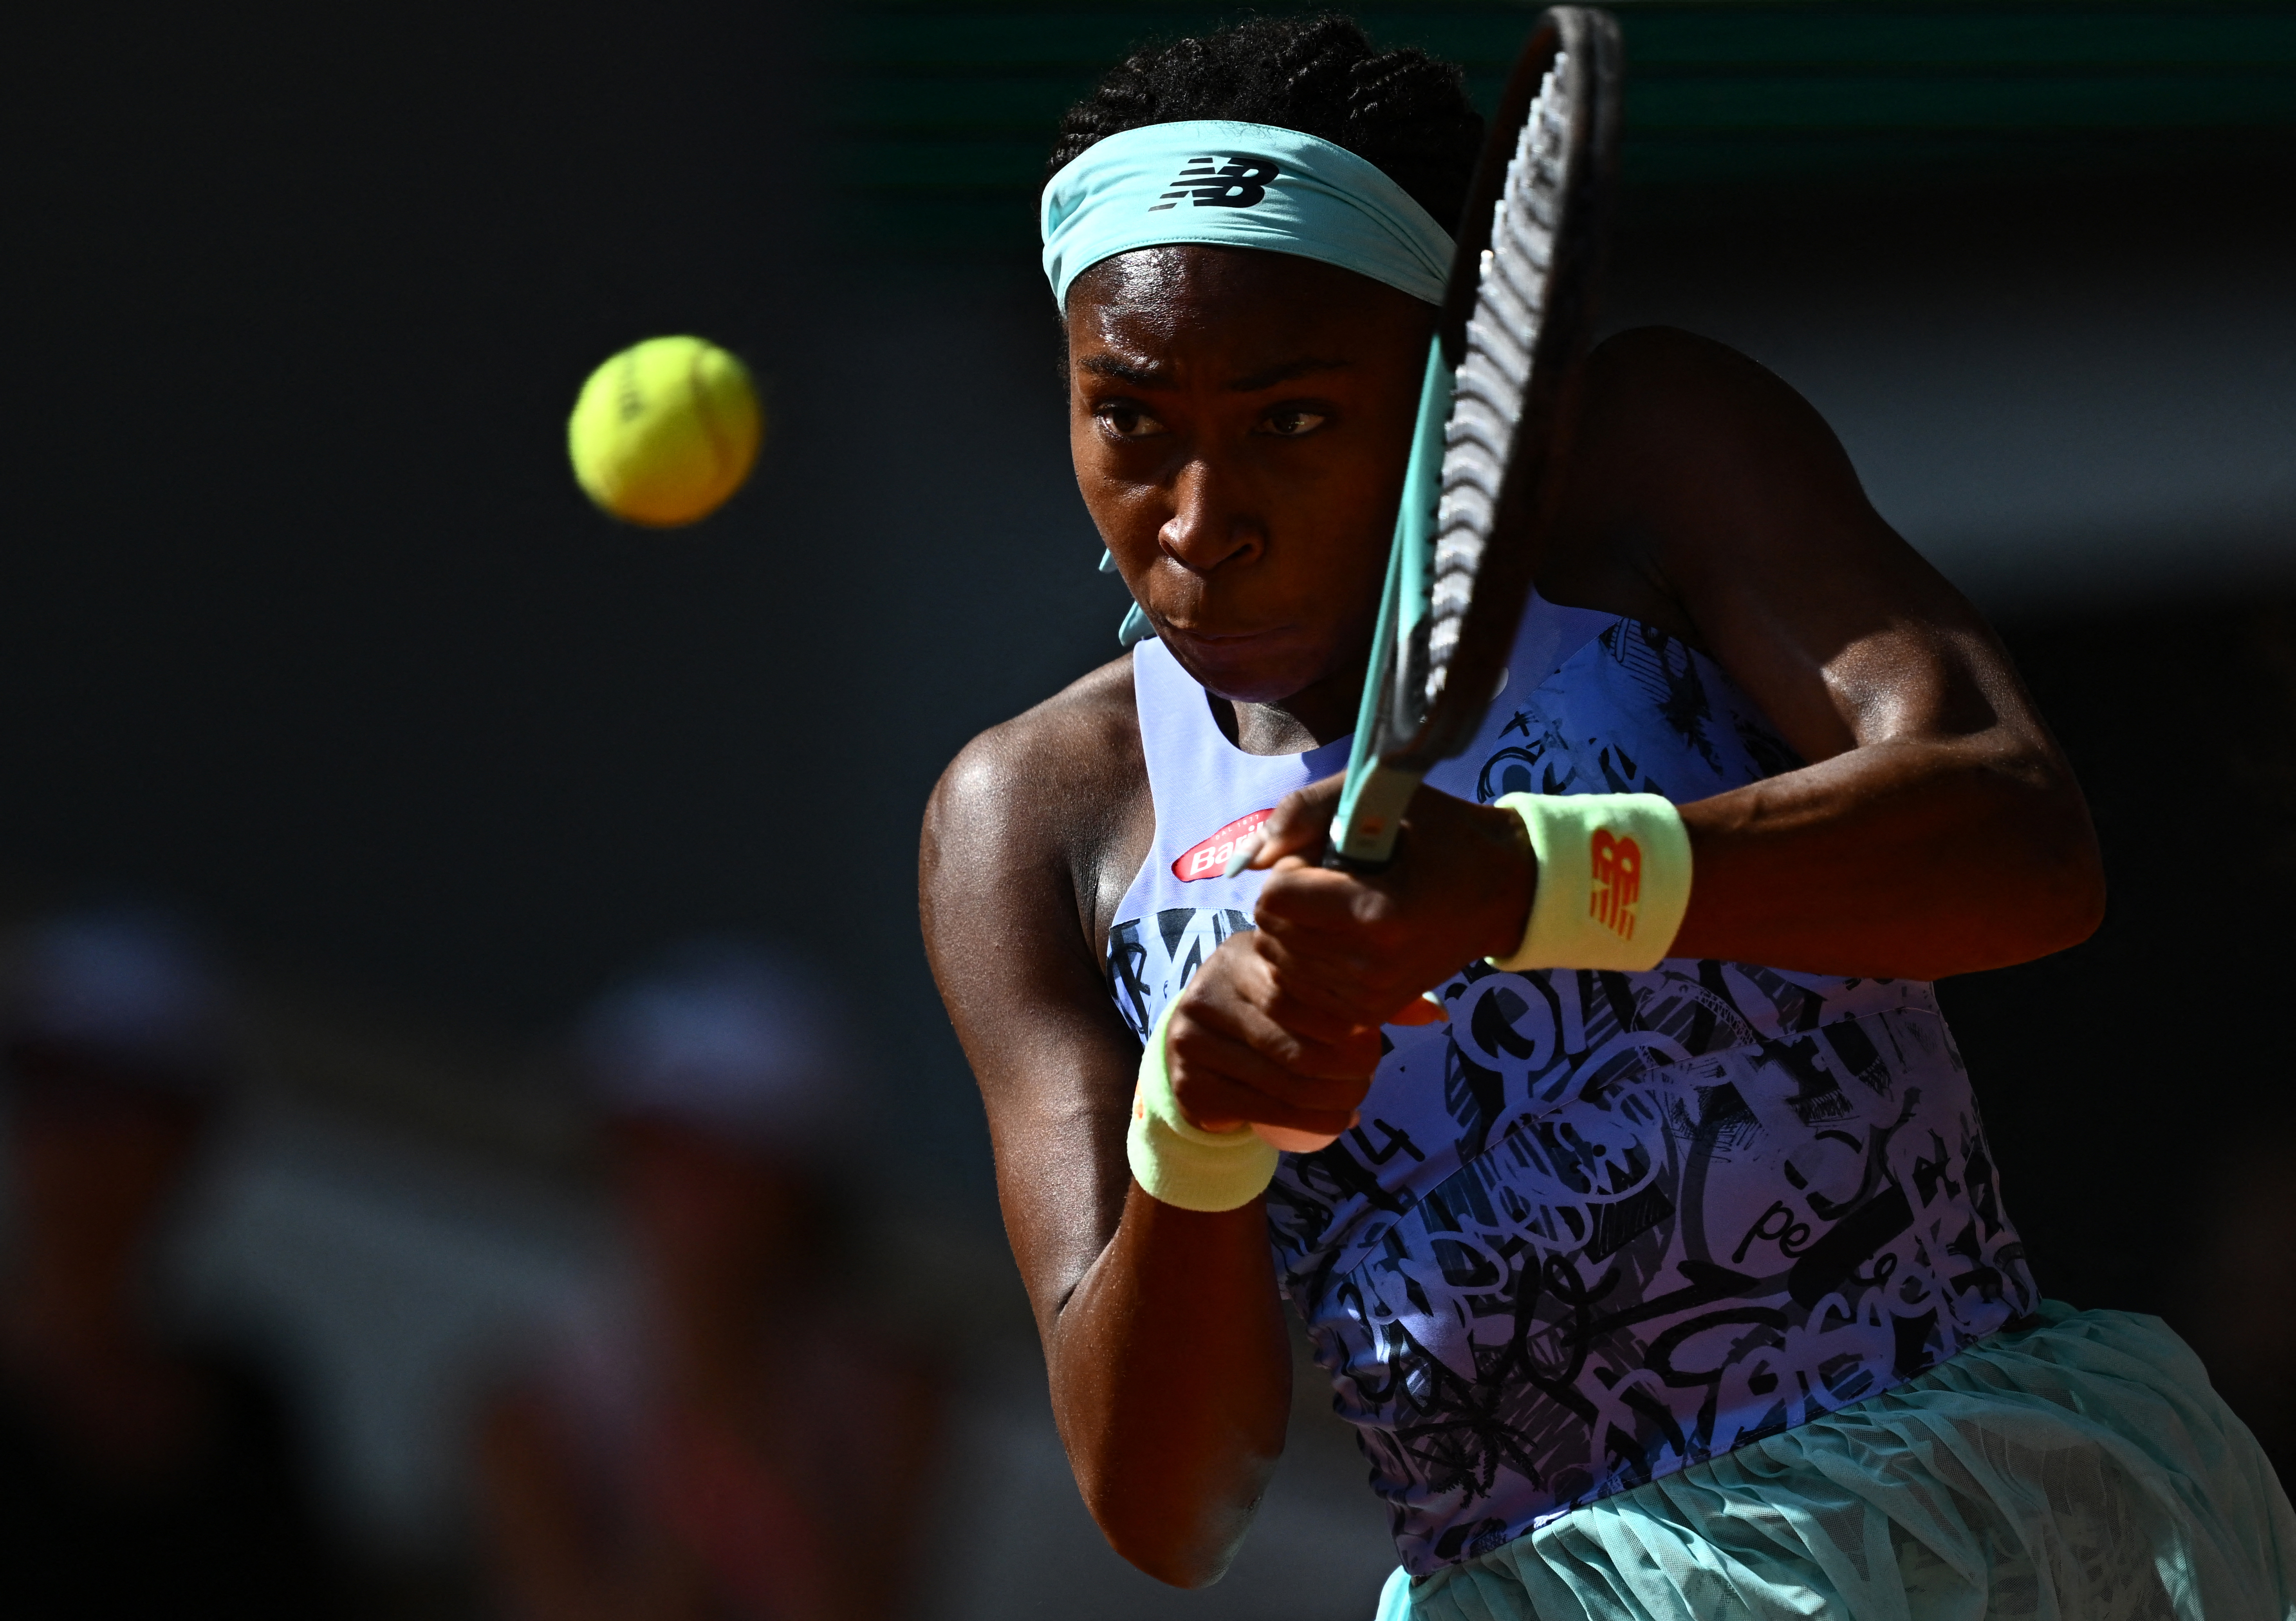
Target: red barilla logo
point(1209, 859)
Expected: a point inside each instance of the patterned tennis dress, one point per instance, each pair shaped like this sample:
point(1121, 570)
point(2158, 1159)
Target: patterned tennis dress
point(1598, 1226)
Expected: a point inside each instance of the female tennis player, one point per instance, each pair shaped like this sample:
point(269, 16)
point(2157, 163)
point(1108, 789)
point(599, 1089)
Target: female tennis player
point(1669, 1279)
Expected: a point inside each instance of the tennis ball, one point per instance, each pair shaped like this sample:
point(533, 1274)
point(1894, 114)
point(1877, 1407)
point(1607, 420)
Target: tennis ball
point(664, 432)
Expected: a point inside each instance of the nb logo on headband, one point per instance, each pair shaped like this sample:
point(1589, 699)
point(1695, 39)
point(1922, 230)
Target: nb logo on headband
point(1235, 180)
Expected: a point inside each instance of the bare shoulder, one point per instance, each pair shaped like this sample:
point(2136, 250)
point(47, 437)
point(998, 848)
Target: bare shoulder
point(1697, 470)
point(1668, 354)
point(1681, 405)
point(1049, 795)
point(1023, 859)
point(1712, 496)
point(1075, 744)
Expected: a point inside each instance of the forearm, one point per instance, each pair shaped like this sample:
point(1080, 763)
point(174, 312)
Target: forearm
point(1171, 1377)
point(1911, 861)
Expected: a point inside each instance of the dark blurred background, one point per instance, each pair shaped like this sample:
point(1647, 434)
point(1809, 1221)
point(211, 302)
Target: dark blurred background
point(306, 631)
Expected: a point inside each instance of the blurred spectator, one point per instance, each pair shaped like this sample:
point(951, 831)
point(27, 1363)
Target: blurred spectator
point(722, 1432)
point(138, 1476)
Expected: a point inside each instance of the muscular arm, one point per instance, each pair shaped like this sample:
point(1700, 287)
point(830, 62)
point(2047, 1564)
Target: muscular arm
point(1163, 1330)
point(1937, 829)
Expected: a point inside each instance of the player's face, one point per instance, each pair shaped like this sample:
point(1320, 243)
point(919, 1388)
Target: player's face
point(1240, 421)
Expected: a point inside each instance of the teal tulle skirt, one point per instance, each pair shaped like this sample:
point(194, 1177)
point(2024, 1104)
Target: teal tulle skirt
point(2081, 1469)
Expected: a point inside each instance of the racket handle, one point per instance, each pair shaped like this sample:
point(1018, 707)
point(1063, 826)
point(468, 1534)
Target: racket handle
point(1333, 861)
point(1291, 1141)
point(1370, 815)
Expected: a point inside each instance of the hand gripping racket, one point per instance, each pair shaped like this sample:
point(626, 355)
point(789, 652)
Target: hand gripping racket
point(1495, 414)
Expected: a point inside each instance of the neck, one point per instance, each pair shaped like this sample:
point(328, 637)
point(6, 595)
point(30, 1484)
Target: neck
point(1309, 719)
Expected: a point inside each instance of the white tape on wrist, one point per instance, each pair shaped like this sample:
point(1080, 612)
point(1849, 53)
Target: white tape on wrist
point(1613, 880)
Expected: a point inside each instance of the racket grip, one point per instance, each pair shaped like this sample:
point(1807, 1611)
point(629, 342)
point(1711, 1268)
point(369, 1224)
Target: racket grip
point(1371, 815)
point(1333, 860)
point(1291, 1141)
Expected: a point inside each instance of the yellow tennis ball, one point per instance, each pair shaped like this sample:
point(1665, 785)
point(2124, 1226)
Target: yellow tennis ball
point(664, 432)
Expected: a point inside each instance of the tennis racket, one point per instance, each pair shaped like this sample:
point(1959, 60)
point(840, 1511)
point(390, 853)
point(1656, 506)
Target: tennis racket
point(1495, 416)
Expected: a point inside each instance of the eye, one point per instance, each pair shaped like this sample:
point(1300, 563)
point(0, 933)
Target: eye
point(1294, 422)
point(1128, 420)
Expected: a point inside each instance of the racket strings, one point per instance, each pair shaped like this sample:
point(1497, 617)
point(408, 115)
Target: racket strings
point(1502, 340)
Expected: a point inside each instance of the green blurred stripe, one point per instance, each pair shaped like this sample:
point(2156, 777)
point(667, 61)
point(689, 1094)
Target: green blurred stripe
point(947, 110)
point(1721, 36)
point(983, 166)
point(1884, 99)
point(1657, 162)
point(1710, 31)
point(1866, 97)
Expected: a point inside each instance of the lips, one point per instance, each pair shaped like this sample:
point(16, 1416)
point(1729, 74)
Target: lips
point(1197, 634)
point(1253, 667)
point(1229, 641)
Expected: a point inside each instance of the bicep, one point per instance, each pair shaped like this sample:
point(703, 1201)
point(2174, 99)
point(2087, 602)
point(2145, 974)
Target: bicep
point(1054, 1062)
point(1842, 632)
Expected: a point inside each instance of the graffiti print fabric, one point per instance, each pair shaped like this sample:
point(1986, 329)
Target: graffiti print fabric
point(1598, 1226)
point(2078, 1470)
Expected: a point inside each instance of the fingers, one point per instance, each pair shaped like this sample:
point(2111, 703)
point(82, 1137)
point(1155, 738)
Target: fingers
point(1359, 977)
point(1221, 1082)
point(1301, 824)
point(1264, 1052)
point(1239, 1050)
point(1420, 1009)
point(1363, 945)
point(1299, 897)
point(1223, 1074)
point(1213, 1105)
point(1281, 1025)
point(1299, 1024)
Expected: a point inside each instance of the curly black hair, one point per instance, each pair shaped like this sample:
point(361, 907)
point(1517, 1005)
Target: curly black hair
point(1402, 111)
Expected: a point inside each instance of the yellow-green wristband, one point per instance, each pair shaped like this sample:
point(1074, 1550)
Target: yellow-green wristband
point(1180, 1164)
point(1613, 880)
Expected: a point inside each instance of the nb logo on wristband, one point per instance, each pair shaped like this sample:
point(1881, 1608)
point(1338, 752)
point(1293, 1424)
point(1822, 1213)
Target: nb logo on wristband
point(1618, 882)
point(1236, 180)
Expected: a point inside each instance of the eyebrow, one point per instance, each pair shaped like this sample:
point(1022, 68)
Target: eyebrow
point(1155, 377)
point(1139, 376)
point(1305, 367)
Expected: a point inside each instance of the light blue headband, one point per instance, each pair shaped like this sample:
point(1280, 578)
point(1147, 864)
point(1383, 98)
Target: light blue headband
point(1240, 185)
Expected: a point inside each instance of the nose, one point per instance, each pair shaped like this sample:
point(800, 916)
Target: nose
point(1207, 528)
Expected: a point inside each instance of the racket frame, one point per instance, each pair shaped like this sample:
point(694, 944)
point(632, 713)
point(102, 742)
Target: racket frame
point(1382, 777)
